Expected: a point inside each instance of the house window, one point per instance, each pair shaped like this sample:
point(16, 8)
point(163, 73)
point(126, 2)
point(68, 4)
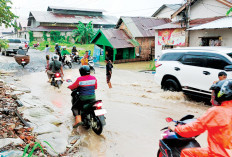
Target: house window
point(210, 41)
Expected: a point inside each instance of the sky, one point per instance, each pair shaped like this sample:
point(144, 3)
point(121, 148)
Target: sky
point(112, 7)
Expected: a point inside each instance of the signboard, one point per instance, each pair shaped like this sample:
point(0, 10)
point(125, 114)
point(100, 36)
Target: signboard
point(171, 37)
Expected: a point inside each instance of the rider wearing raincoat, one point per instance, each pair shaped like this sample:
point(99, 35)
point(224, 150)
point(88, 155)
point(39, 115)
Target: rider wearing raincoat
point(217, 121)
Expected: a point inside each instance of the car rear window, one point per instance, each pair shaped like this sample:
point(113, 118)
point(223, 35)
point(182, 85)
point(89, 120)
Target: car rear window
point(171, 56)
point(14, 41)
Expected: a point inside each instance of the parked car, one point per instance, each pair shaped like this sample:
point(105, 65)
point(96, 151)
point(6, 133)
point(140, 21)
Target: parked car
point(14, 44)
point(193, 70)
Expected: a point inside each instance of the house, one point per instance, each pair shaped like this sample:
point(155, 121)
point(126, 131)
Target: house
point(65, 19)
point(166, 10)
point(201, 11)
point(215, 33)
point(116, 44)
point(138, 35)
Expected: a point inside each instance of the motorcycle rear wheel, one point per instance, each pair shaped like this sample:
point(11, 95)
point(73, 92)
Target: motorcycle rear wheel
point(99, 128)
point(58, 84)
point(70, 65)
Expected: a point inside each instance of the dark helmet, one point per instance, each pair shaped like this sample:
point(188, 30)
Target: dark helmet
point(84, 70)
point(20, 47)
point(222, 90)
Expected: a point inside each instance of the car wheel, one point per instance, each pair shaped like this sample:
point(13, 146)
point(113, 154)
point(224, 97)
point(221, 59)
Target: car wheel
point(171, 85)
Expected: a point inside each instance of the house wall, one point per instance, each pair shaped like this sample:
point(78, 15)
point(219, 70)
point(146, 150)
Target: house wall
point(124, 27)
point(146, 43)
point(158, 48)
point(207, 8)
point(226, 35)
point(165, 13)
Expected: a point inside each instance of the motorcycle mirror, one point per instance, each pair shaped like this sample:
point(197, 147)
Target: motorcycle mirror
point(169, 119)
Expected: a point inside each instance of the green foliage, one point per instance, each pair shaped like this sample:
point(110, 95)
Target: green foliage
point(83, 34)
point(67, 40)
point(6, 16)
point(36, 144)
point(3, 44)
point(45, 36)
point(228, 12)
point(31, 37)
point(55, 36)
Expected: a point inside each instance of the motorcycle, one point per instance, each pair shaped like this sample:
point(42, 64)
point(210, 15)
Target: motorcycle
point(56, 80)
point(91, 65)
point(92, 115)
point(171, 143)
point(67, 61)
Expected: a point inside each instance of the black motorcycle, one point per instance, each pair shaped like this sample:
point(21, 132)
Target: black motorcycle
point(92, 114)
point(171, 143)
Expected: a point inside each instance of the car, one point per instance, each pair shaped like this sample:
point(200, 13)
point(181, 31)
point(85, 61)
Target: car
point(13, 46)
point(193, 69)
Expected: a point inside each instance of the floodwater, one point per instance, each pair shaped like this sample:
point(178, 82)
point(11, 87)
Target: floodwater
point(136, 107)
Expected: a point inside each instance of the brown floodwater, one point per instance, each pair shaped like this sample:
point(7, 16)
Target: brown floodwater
point(136, 111)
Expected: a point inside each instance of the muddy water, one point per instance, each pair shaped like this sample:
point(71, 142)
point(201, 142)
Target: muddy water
point(136, 108)
point(136, 111)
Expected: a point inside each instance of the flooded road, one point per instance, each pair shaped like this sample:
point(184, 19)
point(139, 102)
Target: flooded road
point(136, 107)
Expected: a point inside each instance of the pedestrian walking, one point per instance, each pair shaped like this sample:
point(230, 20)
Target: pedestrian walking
point(47, 53)
point(109, 67)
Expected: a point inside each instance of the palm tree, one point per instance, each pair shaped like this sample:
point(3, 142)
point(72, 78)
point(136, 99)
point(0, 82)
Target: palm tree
point(83, 34)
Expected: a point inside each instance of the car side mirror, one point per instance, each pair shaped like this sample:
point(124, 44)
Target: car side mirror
point(228, 68)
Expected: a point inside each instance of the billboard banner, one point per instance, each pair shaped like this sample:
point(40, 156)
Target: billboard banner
point(171, 37)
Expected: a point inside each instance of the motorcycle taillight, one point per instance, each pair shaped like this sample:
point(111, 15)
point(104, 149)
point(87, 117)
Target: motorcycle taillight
point(98, 105)
point(22, 59)
point(57, 74)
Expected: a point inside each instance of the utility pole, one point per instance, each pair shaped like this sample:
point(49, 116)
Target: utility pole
point(187, 13)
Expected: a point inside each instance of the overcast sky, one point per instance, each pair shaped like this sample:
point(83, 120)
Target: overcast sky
point(112, 7)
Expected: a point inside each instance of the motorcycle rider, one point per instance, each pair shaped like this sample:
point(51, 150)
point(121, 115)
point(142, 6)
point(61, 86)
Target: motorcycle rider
point(217, 121)
point(21, 51)
point(63, 53)
point(57, 51)
point(54, 67)
point(84, 60)
point(75, 53)
point(85, 85)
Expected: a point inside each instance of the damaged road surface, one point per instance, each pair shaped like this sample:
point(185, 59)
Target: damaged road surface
point(136, 111)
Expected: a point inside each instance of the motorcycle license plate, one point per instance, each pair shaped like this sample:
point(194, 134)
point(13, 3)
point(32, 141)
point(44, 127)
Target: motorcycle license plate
point(100, 112)
point(23, 62)
point(58, 78)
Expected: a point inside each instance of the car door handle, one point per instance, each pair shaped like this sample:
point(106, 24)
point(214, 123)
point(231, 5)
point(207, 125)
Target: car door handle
point(177, 69)
point(206, 72)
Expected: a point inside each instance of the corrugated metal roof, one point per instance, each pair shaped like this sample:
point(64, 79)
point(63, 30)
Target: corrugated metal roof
point(192, 23)
point(140, 26)
point(117, 38)
point(76, 9)
point(174, 7)
point(225, 22)
point(50, 28)
point(49, 17)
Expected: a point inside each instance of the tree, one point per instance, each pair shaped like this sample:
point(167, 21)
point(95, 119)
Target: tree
point(6, 16)
point(83, 34)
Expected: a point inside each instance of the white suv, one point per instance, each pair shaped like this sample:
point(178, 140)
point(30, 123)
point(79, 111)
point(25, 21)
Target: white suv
point(194, 69)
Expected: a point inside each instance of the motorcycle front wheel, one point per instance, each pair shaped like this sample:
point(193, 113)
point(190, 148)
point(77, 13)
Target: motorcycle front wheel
point(98, 128)
point(160, 154)
point(70, 65)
